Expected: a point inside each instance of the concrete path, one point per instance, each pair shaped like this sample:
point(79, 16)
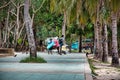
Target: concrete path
point(72, 66)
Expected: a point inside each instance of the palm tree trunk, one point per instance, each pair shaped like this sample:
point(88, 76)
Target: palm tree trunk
point(96, 30)
point(80, 43)
point(0, 35)
point(96, 41)
point(29, 30)
point(105, 44)
point(100, 43)
point(115, 58)
point(70, 44)
point(64, 26)
point(98, 37)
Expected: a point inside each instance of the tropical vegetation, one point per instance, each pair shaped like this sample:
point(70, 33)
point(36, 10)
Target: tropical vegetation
point(23, 23)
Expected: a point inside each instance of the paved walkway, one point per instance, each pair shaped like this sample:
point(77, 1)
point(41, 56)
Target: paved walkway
point(72, 66)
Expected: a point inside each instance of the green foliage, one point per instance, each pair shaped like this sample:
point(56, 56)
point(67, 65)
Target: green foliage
point(88, 30)
point(105, 13)
point(33, 60)
point(71, 33)
point(41, 32)
point(37, 3)
point(26, 43)
point(72, 29)
point(19, 41)
point(79, 31)
point(47, 24)
point(50, 26)
point(3, 11)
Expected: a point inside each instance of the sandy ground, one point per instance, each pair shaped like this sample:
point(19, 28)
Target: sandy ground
point(105, 71)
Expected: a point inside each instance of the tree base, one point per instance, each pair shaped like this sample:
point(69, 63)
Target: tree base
point(115, 61)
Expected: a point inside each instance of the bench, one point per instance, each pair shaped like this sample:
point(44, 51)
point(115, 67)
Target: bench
point(6, 52)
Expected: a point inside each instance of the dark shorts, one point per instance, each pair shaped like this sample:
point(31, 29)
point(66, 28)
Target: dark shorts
point(51, 48)
point(61, 45)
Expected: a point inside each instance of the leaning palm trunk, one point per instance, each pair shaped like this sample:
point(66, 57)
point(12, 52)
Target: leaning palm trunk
point(105, 44)
point(115, 58)
point(29, 30)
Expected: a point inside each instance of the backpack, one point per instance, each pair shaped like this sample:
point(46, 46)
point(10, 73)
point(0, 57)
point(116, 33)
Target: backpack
point(60, 41)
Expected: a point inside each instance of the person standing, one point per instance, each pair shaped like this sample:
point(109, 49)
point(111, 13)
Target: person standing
point(61, 42)
point(50, 46)
point(56, 45)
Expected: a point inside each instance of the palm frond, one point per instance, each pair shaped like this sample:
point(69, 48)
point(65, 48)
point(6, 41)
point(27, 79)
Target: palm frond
point(53, 4)
point(115, 5)
point(91, 5)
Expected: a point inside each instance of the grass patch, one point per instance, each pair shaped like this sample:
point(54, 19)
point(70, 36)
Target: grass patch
point(92, 67)
point(74, 51)
point(33, 60)
point(118, 68)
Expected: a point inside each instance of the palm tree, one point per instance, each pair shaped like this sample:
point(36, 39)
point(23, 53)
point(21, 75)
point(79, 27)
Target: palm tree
point(104, 17)
point(93, 7)
point(115, 58)
point(115, 7)
point(29, 30)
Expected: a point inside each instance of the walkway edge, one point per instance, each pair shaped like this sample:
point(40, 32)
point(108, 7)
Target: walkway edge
point(88, 75)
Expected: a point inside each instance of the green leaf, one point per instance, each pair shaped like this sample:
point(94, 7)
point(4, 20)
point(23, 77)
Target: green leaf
point(19, 41)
